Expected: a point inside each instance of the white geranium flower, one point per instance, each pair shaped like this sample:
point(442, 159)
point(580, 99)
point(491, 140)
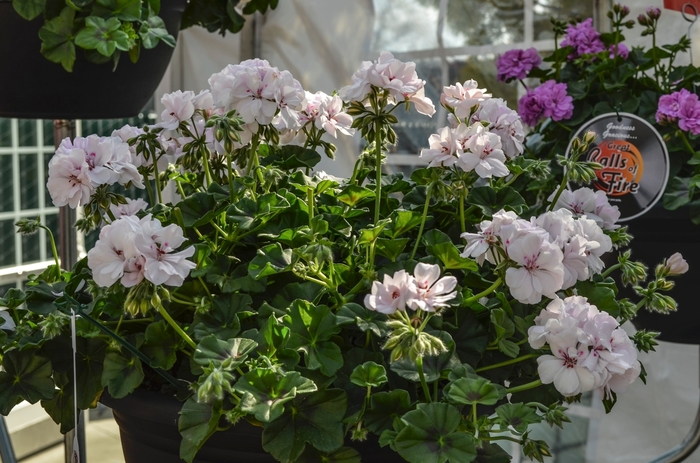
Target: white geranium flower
point(592, 204)
point(605, 215)
point(541, 271)
point(463, 97)
point(504, 122)
point(204, 101)
point(69, 183)
point(565, 367)
point(430, 291)
point(442, 151)
point(126, 133)
point(115, 257)
point(597, 242)
point(390, 295)
point(676, 265)
point(253, 95)
point(131, 207)
point(332, 118)
point(484, 155)
point(575, 262)
point(157, 244)
point(178, 107)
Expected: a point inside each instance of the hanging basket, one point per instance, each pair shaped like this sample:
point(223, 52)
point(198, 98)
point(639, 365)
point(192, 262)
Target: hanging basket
point(32, 87)
point(148, 428)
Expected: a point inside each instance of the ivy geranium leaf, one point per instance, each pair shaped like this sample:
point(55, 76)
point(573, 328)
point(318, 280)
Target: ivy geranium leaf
point(369, 374)
point(440, 245)
point(265, 391)
point(102, 35)
point(196, 423)
point(199, 208)
point(228, 354)
point(468, 391)
point(366, 320)
point(431, 435)
point(122, 373)
point(403, 221)
point(518, 416)
point(61, 408)
point(491, 453)
point(315, 418)
point(353, 194)
point(311, 328)
point(26, 376)
point(222, 319)
point(161, 344)
point(29, 9)
point(491, 201)
point(384, 408)
point(57, 39)
point(271, 259)
point(391, 248)
point(126, 10)
point(153, 31)
point(342, 455)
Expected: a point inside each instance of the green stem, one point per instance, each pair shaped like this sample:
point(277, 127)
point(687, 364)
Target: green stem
point(378, 167)
point(149, 189)
point(421, 374)
point(422, 222)
point(524, 387)
point(356, 170)
point(156, 175)
point(310, 201)
point(687, 143)
point(610, 270)
point(462, 222)
point(485, 292)
point(164, 313)
point(205, 162)
point(230, 176)
point(510, 182)
point(53, 246)
point(559, 192)
point(476, 425)
point(506, 363)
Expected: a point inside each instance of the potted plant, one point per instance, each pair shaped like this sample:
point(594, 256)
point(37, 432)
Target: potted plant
point(590, 75)
point(102, 50)
point(294, 316)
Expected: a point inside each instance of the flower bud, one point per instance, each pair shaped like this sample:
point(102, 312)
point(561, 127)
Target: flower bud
point(642, 20)
point(676, 265)
point(653, 13)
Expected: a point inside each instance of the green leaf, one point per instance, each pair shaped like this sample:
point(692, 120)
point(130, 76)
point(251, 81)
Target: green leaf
point(491, 201)
point(29, 9)
point(265, 391)
point(468, 391)
point(126, 10)
point(199, 208)
point(432, 366)
point(41, 297)
point(385, 407)
point(271, 259)
point(222, 319)
point(342, 455)
point(311, 329)
point(26, 376)
point(290, 157)
point(122, 374)
point(518, 416)
point(391, 248)
point(366, 320)
point(600, 296)
point(354, 194)
point(102, 35)
point(502, 323)
point(470, 339)
point(431, 435)
point(228, 354)
point(450, 257)
point(368, 235)
point(315, 418)
point(153, 31)
point(196, 423)
point(403, 221)
point(491, 453)
point(369, 374)
point(61, 408)
point(678, 193)
point(161, 344)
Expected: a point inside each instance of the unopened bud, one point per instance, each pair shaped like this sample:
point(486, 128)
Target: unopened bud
point(676, 265)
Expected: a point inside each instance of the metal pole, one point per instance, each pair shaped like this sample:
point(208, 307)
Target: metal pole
point(68, 254)
point(7, 452)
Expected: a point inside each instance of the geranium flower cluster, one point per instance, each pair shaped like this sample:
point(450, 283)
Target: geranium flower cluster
point(396, 77)
point(322, 111)
point(490, 133)
point(545, 254)
point(129, 250)
point(583, 38)
point(593, 204)
point(423, 290)
point(680, 107)
point(516, 64)
point(548, 100)
point(82, 165)
point(589, 348)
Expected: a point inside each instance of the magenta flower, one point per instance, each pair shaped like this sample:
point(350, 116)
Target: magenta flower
point(689, 114)
point(515, 64)
point(669, 105)
point(621, 50)
point(584, 38)
point(548, 100)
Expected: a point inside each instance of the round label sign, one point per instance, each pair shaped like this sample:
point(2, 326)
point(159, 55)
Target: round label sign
point(634, 159)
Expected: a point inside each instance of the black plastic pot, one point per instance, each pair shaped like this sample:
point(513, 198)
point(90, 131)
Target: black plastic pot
point(148, 428)
point(33, 87)
point(657, 235)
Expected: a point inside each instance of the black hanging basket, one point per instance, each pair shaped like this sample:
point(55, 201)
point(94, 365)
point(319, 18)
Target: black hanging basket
point(34, 88)
point(657, 235)
point(148, 428)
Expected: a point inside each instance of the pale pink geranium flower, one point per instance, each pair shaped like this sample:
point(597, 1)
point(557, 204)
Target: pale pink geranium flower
point(131, 207)
point(593, 204)
point(390, 295)
point(504, 122)
point(463, 97)
point(157, 244)
point(98, 152)
point(676, 265)
point(484, 154)
point(540, 270)
point(442, 151)
point(289, 97)
point(560, 314)
point(333, 119)
point(565, 368)
point(115, 257)
point(69, 183)
point(430, 292)
point(126, 133)
point(203, 101)
point(597, 242)
point(178, 107)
